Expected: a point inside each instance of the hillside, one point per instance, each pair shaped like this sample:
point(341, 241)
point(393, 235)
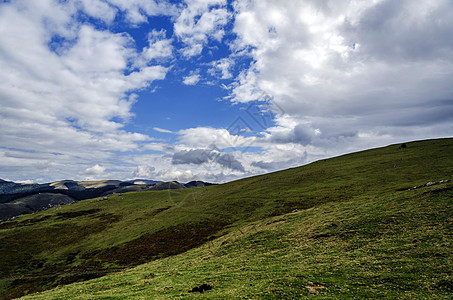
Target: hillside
point(348, 226)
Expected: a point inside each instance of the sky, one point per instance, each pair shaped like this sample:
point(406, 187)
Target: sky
point(215, 90)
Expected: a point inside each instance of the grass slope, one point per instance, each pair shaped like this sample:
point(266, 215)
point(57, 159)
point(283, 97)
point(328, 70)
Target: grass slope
point(358, 232)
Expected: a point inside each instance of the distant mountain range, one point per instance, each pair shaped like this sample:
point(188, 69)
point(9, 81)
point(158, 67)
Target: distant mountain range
point(20, 198)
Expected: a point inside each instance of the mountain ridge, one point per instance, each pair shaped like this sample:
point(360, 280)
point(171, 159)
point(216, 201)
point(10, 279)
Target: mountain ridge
point(19, 198)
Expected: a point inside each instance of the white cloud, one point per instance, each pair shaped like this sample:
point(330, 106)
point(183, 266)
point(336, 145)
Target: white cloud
point(143, 172)
point(219, 138)
point(349, 75)
point(181, 176)
point(200, 21)
point(95, 171)
point(83, 56)
point(223, 67)
point(246, 88)
point(160, 49)
point(68, 101)
point(137, 11)
point(191, 79)
point(162, 130)
point(100, 10)
point(159, 46)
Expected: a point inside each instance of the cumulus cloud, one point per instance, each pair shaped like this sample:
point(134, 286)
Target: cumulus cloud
point(200, 21)
point(219, 137)
point(99, 10)
point(95, 170)
point(159, 49)
point(182, 176)
point(301, 134)
point(145, 172)
point(201, 156)
point(222, 68)
point(348, 74)
point(197, 157)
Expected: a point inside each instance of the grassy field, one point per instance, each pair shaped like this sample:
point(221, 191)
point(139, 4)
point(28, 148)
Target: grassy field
point(338, 228)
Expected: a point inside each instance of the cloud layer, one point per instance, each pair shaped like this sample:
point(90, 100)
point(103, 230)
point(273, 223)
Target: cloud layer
point(314, 79)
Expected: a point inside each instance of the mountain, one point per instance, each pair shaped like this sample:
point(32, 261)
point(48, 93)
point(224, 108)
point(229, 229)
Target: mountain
point(8, 187)
point(192, 184)
point(83, 185)
point(371, 224)
point(17, 199)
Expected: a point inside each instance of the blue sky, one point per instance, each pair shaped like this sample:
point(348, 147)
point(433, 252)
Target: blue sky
point(215, 90)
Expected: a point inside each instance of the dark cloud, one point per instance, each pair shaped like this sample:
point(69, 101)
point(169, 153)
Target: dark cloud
point(404, 30)
point(300, 134)
point(196, 156)
point(279, 164)
point(409, 117)
point(201, 156)
point(227, 160)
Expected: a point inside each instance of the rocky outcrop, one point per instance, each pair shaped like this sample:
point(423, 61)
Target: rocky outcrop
point(429, 184)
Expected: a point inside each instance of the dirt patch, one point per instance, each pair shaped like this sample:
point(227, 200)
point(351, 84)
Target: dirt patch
point(169, 241)
point(24, 286)
point(19, 250)
point(158, 211)
point(439, 191)
point(108, 218)
point(15, 224)
point(75, 214)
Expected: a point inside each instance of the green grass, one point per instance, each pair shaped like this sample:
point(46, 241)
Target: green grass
point(395, 247)
point(358, 233)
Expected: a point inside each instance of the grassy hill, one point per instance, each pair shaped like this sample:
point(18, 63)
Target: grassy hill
point(351, 226)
